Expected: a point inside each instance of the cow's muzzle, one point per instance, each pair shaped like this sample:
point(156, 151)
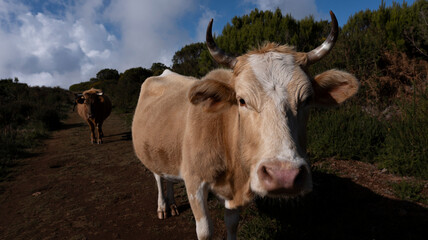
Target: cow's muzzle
point(280, 178)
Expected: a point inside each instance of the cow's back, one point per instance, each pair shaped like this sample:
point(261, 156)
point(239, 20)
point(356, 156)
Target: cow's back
point(159, 121)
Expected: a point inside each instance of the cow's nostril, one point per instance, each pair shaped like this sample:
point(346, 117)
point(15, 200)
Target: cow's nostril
point(264, 170)
point(299, 180)
point(264, 174)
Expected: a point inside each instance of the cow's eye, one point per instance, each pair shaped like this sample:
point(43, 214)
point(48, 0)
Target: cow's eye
point(306, 102)
point(241, 102)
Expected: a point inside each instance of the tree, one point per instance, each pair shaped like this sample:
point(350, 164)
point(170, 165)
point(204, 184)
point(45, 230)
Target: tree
point(416, 34)
point(185, 61)
point(108, 74)
point(125, 93)
point(158, 68)
point(135, 75)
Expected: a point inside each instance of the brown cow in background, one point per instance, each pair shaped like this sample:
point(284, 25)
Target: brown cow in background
point(94, 107)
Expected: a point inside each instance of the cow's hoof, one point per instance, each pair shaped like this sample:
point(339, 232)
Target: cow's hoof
point(161, 215)
point(100, 142)
point(174, 210)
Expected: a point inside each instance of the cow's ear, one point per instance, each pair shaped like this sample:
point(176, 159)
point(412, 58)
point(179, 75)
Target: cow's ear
point(212, 95)
point(334, 87)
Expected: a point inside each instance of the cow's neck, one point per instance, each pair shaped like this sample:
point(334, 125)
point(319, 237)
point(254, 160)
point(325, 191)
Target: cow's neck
point(237, 174)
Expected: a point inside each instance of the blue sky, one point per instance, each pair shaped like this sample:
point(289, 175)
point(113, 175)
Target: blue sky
point(62, 42)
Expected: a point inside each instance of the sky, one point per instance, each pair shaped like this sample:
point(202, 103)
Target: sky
point(63, 42)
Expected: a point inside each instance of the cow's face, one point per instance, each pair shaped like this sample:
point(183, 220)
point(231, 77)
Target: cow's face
point(90, 99)
point(273, 93)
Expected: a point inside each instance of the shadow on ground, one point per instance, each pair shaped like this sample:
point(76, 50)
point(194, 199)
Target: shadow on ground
point(340, 209)
point(65, 126)
point(124, 136)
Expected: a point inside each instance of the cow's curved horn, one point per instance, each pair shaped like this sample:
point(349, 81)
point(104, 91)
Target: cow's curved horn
point(219, 55)
point(322, 50)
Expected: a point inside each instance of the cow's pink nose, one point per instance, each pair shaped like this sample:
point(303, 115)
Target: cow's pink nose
point(278, 178)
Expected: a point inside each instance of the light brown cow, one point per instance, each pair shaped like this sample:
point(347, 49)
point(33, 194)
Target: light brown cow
point(236, 133)
point(94, 107)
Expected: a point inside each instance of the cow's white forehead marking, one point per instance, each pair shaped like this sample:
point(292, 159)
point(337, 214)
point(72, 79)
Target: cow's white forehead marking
point(274, 71)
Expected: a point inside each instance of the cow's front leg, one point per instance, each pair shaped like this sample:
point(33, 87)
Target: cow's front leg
point(161, 198)
point(92, 127)
point(170, 198)
point(100, 133)
point(198, 194)
point(231, 219)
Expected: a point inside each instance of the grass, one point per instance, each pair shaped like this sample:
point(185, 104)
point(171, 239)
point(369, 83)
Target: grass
point(256, 225)
point(345, 133)
point(405, 150)
point(409, 191)
point(324, 168)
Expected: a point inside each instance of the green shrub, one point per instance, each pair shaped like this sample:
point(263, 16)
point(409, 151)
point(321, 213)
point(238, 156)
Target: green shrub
point(49, 118)
point(409, 191)
point(405, 150)
point(14, 142)
point(8, 150)
point(80, 87)
point(346, 132)
point(26, 116)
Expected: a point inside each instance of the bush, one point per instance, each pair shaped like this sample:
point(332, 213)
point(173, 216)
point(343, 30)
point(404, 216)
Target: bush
point(26, 115)
point(409, 191)
point(50, 119)
point(405, 150)
point(8, 151)
point(398, 143)
point(345, 132)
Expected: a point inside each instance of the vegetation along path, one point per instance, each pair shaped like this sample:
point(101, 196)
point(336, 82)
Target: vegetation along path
point(72, 189)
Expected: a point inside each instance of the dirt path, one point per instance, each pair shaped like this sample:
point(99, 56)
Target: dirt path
point(75, 190)
point(72, 189)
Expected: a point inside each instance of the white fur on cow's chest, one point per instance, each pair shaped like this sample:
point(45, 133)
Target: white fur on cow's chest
point(172, 178)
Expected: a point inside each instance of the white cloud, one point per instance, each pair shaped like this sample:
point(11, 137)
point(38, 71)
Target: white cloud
point(297, 8)
point(42, 47)
point(40, 79)
point(203, 23)
point(149, 29)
